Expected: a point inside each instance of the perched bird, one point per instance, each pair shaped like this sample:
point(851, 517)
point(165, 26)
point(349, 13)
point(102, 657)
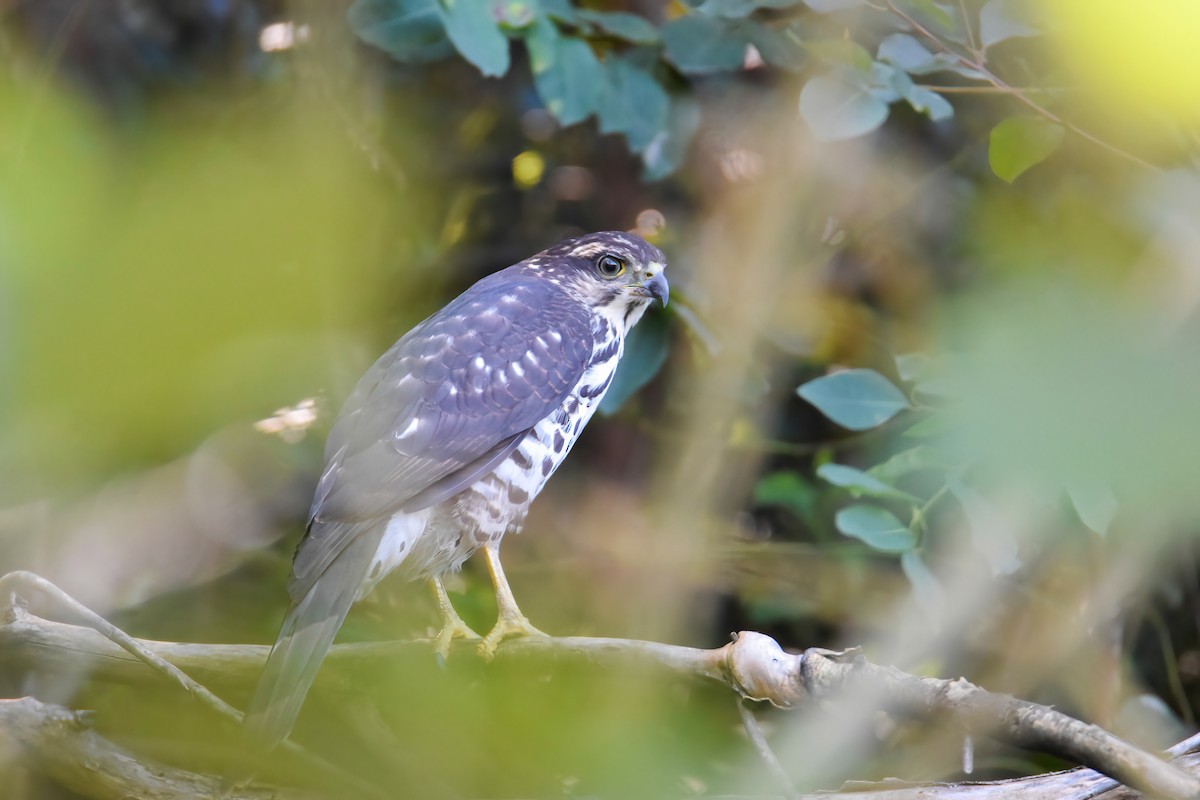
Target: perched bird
point(447, 439)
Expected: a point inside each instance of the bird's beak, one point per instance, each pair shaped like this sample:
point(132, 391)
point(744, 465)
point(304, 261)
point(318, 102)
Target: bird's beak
point(656, 287)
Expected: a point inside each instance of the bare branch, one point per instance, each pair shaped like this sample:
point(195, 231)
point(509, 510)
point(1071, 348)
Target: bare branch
point(753, 665)
point(57, 742)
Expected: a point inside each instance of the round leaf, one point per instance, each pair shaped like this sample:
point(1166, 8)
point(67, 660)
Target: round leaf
point(876, 527)
point(861, 483)
point(838, 108)
point(858, 399)
point(698, 44)
point(474, 30)
point(1018, 143)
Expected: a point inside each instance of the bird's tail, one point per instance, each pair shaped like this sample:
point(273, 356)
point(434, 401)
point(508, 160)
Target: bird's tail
point(306, 635)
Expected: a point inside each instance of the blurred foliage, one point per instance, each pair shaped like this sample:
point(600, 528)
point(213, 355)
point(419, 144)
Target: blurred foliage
point(927, 382)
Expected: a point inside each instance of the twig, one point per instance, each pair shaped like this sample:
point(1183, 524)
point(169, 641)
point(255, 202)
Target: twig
point(978, 65)
point(14, 590)
point(1029, 725)
point(757, 738)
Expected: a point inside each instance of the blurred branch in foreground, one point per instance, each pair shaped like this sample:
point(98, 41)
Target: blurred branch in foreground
point(753, 665)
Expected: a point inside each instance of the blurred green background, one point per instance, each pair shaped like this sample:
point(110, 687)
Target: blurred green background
point(215, 214)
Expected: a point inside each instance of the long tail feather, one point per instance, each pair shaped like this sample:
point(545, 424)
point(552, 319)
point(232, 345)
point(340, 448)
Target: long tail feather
point(307, 633)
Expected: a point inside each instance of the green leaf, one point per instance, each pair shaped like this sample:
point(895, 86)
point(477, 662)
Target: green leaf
point(914, 58)
point(698, 44)
point(621, 24)
point(632, 102)
point(841, 53)
point(929, 103)
point(515, 15)
point(860, 483)
point(410, 31)
point(915, 459)
point(645, 353)
point(876, 527)
point(561, 10)
point(566, 73)
point(787, 490)
point(474, 30)
point(1018, 143)
point(990, 531)
point(858, 399)
point(737, 9)
point(998, 21)
point(776, 45)
point(1094, 503)
point(669, 148)
point(837, 108)
point(829, 6)
point(905, 52)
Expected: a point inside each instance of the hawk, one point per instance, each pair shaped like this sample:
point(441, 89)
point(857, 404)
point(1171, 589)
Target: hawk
point(447, 439)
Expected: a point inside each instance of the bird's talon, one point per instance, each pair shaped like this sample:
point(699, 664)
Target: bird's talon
point(453, 629)
point(507, 627)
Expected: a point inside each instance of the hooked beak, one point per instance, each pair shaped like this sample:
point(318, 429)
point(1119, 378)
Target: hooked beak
point(657, 288)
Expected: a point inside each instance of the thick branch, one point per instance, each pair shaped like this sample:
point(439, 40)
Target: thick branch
point(753, 665)
point(57, 742)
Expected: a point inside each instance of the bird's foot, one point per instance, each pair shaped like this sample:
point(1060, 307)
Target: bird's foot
point(508, 626)
point(453, 628)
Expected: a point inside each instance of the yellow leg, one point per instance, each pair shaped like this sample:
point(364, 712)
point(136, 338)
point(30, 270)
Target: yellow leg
point(453, 626)
point(510, 621)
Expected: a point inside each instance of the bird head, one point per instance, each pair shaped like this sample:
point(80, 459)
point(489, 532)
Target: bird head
point(616, 273)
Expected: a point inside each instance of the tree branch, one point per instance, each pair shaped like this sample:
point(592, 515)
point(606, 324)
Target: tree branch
point(753, 665)
point(57, 742)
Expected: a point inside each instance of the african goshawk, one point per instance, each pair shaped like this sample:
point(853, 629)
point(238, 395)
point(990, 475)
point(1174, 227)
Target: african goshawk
point(446, 440)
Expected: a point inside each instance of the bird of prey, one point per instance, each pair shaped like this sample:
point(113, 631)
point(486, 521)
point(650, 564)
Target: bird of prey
point(447, 439)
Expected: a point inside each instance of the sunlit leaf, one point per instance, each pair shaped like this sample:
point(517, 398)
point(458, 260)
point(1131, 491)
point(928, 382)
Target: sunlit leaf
point(860, 483)
point(836, 108)
point(858, 399)
point(876, 527)
point(1094, 503)
point(1018, 143)
point(475, 32)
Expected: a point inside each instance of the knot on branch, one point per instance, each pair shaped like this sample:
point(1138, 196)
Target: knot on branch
point(760, 670)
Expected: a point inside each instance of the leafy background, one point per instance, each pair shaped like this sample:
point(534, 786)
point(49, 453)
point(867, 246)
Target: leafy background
point(927, 383)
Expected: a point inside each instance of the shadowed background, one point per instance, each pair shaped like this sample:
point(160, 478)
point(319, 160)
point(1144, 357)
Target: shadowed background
point(215, 216)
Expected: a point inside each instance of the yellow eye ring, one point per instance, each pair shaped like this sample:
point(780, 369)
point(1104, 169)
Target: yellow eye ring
point(609, 266)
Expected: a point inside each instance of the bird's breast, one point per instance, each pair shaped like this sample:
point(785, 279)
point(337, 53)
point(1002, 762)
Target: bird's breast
point(498, 502)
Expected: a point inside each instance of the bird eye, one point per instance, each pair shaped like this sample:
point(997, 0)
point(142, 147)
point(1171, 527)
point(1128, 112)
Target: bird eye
point(610, 266)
